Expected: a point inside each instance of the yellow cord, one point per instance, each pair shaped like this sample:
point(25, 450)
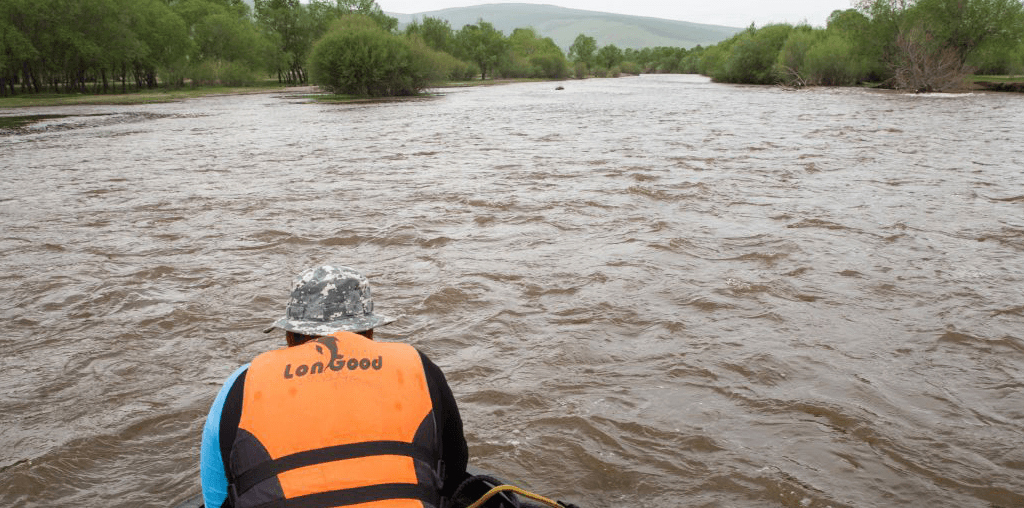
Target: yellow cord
point(517, 490)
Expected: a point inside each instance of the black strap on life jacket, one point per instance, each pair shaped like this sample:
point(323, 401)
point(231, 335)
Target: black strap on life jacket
point(359, 495)
point(271, 468)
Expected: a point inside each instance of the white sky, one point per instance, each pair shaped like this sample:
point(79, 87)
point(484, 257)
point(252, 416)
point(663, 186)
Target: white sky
point(734, 13)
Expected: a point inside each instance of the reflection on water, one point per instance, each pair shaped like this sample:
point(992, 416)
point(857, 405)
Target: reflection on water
point(650, 291)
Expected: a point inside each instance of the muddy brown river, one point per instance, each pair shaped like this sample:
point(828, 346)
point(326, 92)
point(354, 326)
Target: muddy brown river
point(650, 291)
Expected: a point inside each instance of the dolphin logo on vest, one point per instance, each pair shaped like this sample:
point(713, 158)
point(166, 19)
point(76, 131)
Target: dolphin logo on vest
point(336, 363)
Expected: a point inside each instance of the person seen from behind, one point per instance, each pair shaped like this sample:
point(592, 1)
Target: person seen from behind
point(335, 418)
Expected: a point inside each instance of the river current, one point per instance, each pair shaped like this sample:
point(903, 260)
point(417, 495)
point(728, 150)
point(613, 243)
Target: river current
point(648, 291)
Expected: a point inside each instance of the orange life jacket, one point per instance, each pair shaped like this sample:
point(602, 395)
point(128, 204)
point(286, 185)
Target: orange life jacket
point(341, 420)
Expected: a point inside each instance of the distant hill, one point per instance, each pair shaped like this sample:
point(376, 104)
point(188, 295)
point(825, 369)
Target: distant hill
point(563, 25)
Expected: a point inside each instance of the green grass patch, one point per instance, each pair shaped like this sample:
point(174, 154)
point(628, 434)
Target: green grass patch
point(998, 83)
point(144, 97)
point(180, 94)
point(17, 122)
point(997, 79)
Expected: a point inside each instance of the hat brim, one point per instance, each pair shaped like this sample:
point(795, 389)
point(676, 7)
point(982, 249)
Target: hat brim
point(352, 324)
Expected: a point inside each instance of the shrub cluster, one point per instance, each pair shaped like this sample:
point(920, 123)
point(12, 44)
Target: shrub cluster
point(921, 46)
point(357, 57)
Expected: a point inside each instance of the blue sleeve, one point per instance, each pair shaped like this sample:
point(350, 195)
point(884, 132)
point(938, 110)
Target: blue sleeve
point(211, 465)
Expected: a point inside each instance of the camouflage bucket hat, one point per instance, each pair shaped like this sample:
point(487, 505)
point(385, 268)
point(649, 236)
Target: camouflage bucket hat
point(328, 299)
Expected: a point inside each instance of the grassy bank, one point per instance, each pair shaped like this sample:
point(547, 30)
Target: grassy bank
point(995, 83)
point(172, 95)
point(997, 79)
point(17, 122)
point(143, 97)
point(433, 91)
point(998, 83)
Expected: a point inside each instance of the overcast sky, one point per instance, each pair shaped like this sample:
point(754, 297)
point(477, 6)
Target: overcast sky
point(735, 13)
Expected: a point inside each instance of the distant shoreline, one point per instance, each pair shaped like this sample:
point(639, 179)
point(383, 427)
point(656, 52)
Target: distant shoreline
point(981, 84)
point(174, 95)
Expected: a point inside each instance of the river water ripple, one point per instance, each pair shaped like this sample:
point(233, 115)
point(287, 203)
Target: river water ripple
point(650, 291)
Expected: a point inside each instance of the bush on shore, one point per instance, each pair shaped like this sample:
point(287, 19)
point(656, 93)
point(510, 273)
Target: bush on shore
point(752, 55)
point(357, 57)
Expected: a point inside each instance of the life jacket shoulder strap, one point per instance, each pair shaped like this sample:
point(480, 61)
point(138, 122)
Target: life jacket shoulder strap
point(271, 468)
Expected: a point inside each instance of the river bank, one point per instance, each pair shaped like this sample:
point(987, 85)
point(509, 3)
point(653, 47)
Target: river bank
point(143, 97)
point(163, 95)
point(12, 124)
point(1004, 86)
point(978, 84)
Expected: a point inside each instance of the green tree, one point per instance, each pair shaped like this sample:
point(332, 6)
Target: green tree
point(992, 59)
point(15, 49)
point(752, 55)
point(481, 44)
point(325, 12)
point(609, 56)
point(236, 7)
point(848, 22)
point(164, 39)
point(690, 64)
point(436, 33)
point(860, 35)
point(660, 59)
point(926, 44)
point(583, 50)
point(966, 25)
point(227, 46)
point(322, 13)
point(86, 37)
point(712, 59)
point(790, 65)
point(834, 61)
point(193, 11)
point(531, 55)
point(292, 29)
point(442, 66)
point(886, 18)
point(525, 42)
point(18, 52)
point(79, 43)
point(370, 9)
point(226, 37)
point(89, 45)
point(232, 50)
